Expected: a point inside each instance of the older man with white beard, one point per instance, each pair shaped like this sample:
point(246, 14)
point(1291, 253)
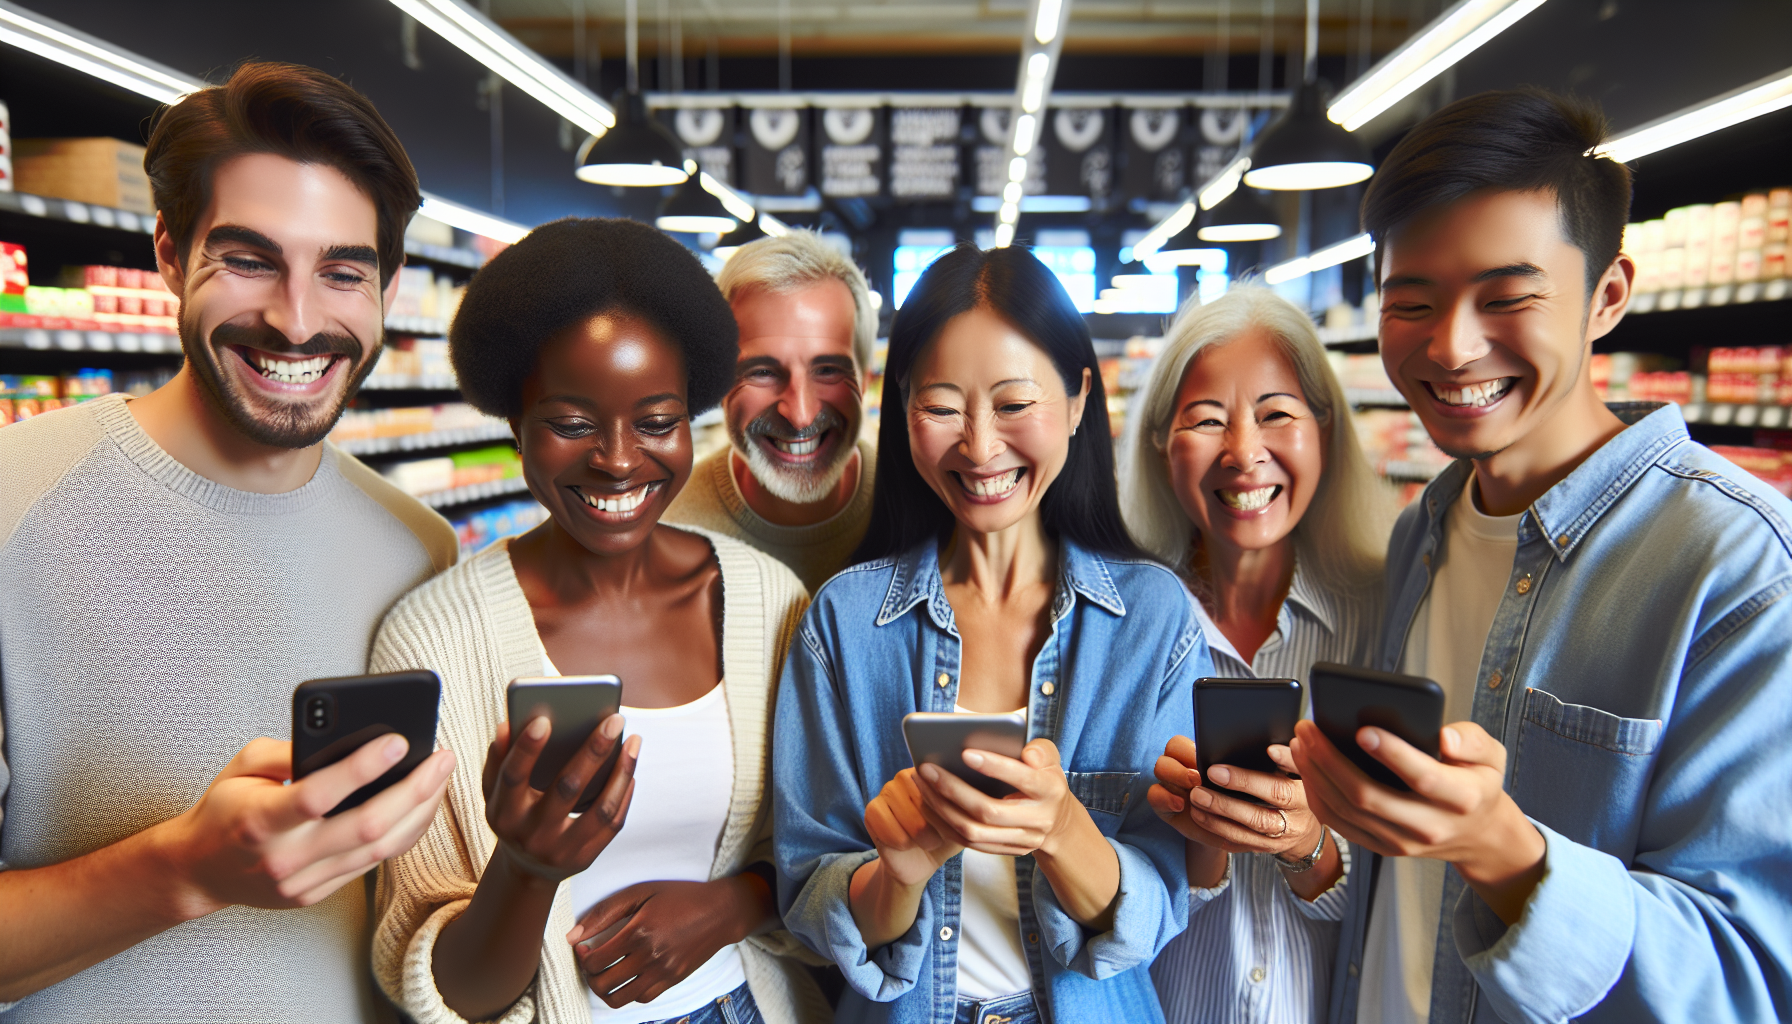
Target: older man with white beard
point(796, 480)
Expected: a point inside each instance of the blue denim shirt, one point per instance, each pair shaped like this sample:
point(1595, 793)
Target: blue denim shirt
point(1639, 673)
point(1112, 683)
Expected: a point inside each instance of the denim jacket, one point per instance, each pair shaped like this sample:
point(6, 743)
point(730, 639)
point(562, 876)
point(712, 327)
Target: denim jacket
point(1639, 673)
point(1112, 683)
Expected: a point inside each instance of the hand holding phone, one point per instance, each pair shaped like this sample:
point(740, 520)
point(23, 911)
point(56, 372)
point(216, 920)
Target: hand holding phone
point(332, 718)
point(540, 829)
point(1346, 698)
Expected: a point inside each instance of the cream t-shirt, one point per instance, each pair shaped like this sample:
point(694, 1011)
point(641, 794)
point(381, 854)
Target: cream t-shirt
point(991, 962)
point(1448, 635)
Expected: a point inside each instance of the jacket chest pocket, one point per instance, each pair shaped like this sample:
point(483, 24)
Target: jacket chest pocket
point(1107, 795)
point(1583, 771)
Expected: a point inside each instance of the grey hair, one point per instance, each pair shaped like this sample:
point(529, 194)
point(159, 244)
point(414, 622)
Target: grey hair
point(1342, 538)
point(782, 263)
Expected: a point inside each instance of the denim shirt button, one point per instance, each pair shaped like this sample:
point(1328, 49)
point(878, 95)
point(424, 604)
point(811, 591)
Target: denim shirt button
point(944, 679)
point(1562, 541)
point(946, 933)
point(1524, 585)
point(1047, 688)
point(1493, 681)
point(1256, 974)
point(1033, 938)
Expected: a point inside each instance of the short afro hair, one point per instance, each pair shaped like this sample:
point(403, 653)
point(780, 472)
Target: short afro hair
point(569, 271)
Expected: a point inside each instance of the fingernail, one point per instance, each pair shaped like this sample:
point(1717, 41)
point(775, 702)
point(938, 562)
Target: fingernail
point(1452, 737)
point(612, 726)
point(395, 747)
point(1220, 774)
point(1192, 778)
point(1368, 739)
point(930, 772)
point(972, 758)
point(1176, 803)
point(1201, 796)
point(538, 727)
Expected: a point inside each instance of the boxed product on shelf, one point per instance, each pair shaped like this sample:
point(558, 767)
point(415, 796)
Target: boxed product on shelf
point(5, 148)
point(462, 469)
point(477, 529)
point(423, 293)
point(414, 357)
point(366, 424)
point(138, 383)
point(1750, 375)
point(1712, 251)
point(1613, 373)
point(14, 278)
point(101, 171)
point(1665, 386)
point(22, 397)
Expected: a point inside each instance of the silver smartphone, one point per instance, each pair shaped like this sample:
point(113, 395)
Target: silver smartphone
point(942, 737)
point(574, 707)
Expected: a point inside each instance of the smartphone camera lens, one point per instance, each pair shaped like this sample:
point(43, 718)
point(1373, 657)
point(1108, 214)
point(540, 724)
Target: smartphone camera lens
point(318, 713)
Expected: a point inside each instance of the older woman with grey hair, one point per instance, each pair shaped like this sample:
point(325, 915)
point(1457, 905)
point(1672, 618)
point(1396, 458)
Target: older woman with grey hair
point(1242, 471)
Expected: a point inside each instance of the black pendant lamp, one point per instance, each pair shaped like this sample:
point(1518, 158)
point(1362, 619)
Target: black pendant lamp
point(1307, 150)
point(638, 151)
point(1240, 217)
point(730, 243)
point(694, 210)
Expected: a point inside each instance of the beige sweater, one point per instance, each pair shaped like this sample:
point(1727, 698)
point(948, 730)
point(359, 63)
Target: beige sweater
point(474, 627)
point(712, 501)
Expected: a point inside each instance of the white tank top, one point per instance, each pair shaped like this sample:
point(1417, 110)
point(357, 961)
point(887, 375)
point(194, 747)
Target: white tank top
point(991, 962)
point(683, 785)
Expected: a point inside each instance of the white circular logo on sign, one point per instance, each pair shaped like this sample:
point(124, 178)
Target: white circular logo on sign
point(698, 126)
point(1152, 129)
point(994, 123)
point(848, 126)
point(1078, 129)
point(1223, 127)
point(774, 129)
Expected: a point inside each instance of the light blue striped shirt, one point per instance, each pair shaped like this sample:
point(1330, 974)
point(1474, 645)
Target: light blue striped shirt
point(1254, 952)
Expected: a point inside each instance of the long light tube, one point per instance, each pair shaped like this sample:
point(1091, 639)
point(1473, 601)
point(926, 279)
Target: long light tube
point(481, 39)
point(1045, 26)
point(1215, 192)
point(1453, 35)
point(1165, 229)
point(34, 33)
point(468, 219)
point(1039, 58)
point(1761, 97)
point(1330, 256)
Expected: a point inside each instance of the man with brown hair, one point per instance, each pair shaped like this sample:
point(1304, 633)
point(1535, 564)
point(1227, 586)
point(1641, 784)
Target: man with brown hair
point(176, 564)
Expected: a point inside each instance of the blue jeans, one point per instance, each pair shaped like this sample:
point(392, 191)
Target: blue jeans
point(1011, 1009)
point(737, 1007)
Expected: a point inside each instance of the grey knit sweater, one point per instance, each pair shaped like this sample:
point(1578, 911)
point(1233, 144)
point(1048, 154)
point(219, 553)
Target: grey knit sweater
point(152, 622)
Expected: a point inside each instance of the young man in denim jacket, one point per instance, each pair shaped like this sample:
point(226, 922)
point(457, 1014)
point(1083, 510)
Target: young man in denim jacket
point(1608, 833)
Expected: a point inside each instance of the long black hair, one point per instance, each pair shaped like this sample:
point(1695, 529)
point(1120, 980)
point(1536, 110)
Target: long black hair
point(1082, 504)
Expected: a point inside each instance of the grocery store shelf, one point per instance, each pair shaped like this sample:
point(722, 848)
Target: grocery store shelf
point(1776, 290)
point(427, 325)
point(1384, 397)
point(1728, 414)
point(421, 442)
point(1398, 469)
point(77, 213)
point(444, 254)
point(474, 492)
point(410, 382)
point(1347, 335)
point(43, 339)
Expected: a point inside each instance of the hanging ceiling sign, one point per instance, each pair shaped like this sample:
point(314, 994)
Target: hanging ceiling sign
point(992, 154)
point(1220, 137)
point(852, 153)
point(775, 161)
point(708, 137)
point(1080, 152)
point(1156, 156)
point(924, 153)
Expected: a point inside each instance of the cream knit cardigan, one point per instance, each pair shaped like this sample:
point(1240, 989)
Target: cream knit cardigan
point(473, 626)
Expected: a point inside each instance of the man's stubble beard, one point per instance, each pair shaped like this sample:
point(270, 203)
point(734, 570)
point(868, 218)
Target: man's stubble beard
point(293, 425)
point(797, 486)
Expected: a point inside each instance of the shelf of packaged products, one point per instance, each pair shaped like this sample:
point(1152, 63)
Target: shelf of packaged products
point(410, 382)
point(363, 446)
point(46, 339)
point(428, 326)
point(72, 212)
point(1730, 414)
point(474, 492)
point(1776, 290)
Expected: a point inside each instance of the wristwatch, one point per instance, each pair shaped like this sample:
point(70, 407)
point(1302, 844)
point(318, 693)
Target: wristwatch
point(1295, 867)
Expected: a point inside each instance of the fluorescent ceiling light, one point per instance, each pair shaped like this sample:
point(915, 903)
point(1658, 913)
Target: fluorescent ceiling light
point(772, 225)
point(1762, 97)
point(1136, 280)
point(1045, 27)
point(1017, 169)
point(1009, 213)
point(1238, 232)
point(1157, 262)
point(1330, 256)
point(468, 219)
point(1165, 228)
point(736, 206)
point(1024, 134)
point(1454, 34)
point(480, 38)
point(34, 33)
point(1308, 176)
point(1011, 192)
point(1004, 235)
point(1038, 65)
point(1223, 184)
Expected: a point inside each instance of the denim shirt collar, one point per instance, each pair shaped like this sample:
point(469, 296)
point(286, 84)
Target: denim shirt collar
point(917, 581)
point(1567, 512)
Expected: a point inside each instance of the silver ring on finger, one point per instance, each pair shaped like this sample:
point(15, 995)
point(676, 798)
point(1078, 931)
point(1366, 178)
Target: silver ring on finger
point(1284, 831)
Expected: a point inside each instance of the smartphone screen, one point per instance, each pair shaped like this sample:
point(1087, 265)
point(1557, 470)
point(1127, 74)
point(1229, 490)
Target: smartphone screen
point(574, 707)
point(1237, 719)
point(1346, 698)
point(333, 718)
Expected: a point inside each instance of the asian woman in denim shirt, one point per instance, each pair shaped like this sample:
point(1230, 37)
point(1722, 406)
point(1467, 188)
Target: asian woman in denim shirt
point(1000, 579)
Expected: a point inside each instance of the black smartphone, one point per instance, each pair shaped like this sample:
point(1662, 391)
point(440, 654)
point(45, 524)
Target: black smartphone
point(1236, 719)
point(942, 737)
point(574, 706)
point(333, 718)
point(1346, 698)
